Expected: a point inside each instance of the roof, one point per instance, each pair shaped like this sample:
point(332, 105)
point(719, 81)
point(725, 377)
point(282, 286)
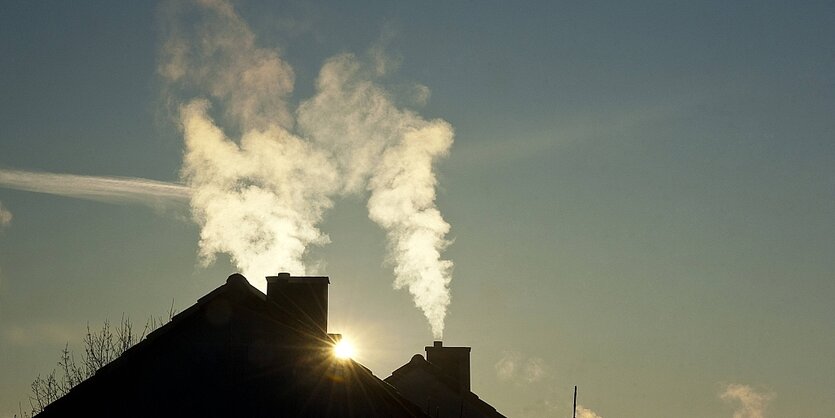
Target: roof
point(418, 364)
point(287, 278)
point(232, 353)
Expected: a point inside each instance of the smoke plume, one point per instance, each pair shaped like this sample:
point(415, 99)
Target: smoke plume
point(264, 173)
point(118, 190)
point(752, 404)
point(390, 152)
point(258, 201)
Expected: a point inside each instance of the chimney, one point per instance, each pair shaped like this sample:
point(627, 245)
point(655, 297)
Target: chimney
point(455, 361)
point(302, 298)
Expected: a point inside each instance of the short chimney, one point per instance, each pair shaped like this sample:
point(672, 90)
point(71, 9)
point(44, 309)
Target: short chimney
point(454, 361)
point(303, 299)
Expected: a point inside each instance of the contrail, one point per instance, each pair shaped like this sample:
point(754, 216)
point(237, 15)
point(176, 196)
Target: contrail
point(117, 190)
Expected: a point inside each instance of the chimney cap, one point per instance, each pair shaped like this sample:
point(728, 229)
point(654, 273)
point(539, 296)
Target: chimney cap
point(287, 278)
point(437, 346)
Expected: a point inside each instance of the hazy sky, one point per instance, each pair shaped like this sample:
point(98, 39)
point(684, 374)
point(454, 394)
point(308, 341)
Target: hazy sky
point(641, 194)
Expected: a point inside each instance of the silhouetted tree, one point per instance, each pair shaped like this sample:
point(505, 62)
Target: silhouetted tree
point(100, 348)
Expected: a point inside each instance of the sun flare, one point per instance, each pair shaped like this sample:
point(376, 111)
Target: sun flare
point(343, 350)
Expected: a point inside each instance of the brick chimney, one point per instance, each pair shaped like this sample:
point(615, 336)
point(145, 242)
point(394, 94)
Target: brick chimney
point(302, 299)
point(455, 361)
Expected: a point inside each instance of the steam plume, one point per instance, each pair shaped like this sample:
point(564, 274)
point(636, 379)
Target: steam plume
point(258, 201)
point(752, 404)
point(391, 152)
point(260, 193)
point(119, 190)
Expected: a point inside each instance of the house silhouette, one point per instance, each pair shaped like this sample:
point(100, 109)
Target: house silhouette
point(240, 353)
point(440, 384)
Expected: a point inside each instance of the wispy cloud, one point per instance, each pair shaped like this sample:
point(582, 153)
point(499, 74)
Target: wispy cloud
point(117, 190)
point(40, 333)
point(535, 370)
point(752, 403)
point(5, 220)
point(531, 374)
point(5, 216)
point(507, 365)
point(515, 367)
point(557, 402)
point(583, 412)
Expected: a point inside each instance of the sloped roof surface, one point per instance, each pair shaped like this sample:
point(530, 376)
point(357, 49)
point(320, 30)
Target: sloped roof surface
point(406, 377)
point(229, 354)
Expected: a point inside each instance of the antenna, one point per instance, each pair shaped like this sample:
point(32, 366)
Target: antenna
point(574, 414)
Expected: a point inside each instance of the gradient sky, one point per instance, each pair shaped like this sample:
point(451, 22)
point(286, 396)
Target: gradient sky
point(642, 195)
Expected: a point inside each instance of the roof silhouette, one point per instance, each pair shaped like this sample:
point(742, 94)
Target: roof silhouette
point(236, 352)
point(439, 390)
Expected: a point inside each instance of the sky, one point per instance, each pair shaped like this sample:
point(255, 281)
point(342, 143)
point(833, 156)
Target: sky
point(640, 197)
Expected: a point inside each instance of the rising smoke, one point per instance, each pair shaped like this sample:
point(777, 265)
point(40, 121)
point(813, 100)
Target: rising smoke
point(263, 173)
point(258, 201)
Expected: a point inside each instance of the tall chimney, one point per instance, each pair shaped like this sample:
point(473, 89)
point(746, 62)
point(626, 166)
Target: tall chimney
point(302, 299)
point(455, 361)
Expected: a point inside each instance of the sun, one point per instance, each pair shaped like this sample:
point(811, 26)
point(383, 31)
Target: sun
point(343, 350)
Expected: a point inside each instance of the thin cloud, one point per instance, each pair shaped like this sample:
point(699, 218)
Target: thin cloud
point(752, 404)
point(506, 366)
point(514, 367)
point(535, 370)
point(116, 190)
point(5, 216)
point(554, 404)
point(38, 334)
point(583, 412)
point(5, 220)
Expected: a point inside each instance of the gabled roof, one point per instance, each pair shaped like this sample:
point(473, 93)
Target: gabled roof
point(236, 285)
point(418, 364)
point(232, 351)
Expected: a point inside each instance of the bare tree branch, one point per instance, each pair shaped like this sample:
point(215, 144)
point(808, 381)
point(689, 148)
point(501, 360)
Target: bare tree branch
point(100, 348)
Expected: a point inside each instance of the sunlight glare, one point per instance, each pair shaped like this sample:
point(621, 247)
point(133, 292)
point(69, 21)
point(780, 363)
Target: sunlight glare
point(343, 350)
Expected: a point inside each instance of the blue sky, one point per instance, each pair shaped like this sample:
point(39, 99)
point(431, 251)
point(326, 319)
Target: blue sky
point(641, 195)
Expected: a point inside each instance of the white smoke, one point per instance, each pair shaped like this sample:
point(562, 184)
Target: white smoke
point(5, 216)
point(752, 404)
point(259, 195)
point(390, 151)
point(258, 201)
point(217, 56)
point(118, 190)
